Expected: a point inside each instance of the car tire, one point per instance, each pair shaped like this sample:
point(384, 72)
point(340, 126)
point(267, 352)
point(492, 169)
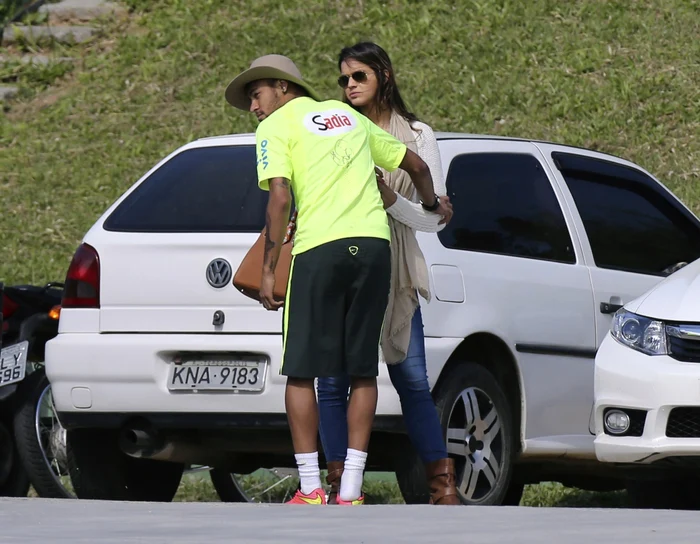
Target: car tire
point(226, 486)
point(267, 485)
point(410, 475)
point(32, 452)
point(516, 488)
point(476, 416)
point(100, 470)
point(14, 481)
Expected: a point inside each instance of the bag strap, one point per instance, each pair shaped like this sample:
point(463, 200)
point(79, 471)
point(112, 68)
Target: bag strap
point(291, 227)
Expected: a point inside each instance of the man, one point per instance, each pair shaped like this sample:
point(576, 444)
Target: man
point(325, 152)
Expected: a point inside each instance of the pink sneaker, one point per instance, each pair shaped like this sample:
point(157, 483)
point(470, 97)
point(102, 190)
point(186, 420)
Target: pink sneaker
point(356, 502)
point(317, 496)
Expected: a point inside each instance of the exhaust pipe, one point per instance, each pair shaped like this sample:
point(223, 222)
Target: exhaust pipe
point(139, 439)
point(144, 443)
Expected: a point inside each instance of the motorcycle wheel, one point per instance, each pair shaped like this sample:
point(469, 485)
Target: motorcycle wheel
point(41, 440)
point(14, 481)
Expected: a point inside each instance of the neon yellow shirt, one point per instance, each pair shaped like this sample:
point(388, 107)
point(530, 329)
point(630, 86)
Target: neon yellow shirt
point(328, 151)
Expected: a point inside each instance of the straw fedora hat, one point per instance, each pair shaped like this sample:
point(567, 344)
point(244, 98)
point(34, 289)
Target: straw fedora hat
point(265, 67)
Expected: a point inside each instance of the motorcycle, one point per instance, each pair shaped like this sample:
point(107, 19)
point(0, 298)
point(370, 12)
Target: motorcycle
point(32, 440)
point(14, 481)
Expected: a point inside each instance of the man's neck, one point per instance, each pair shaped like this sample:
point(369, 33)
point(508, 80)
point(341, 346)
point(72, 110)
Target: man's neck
point(288, 98)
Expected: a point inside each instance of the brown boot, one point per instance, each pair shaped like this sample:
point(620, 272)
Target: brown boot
point(442, 482)
point(335, 471)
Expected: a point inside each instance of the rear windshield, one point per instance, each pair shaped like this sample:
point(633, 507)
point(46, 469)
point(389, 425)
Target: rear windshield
point(208, 189)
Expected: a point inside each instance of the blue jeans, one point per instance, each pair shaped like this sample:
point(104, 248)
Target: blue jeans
point(410, 379)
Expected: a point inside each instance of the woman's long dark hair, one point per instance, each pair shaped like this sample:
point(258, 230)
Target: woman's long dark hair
point(375, 57)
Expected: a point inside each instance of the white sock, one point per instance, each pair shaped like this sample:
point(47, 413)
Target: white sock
point(353, 474)
point(309, 473)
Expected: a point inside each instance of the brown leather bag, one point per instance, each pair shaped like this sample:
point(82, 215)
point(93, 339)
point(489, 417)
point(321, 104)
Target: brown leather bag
point(248, 277)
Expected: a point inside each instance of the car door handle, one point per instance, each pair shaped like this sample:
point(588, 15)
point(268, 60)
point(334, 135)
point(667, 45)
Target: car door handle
point(609, 307)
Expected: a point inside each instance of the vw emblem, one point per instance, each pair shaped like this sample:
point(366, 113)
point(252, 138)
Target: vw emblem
point(219, 273)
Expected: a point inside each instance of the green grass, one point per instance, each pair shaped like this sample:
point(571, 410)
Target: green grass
point(384, 490)
point(8, 8)
point(379, 488)
point(618, 76)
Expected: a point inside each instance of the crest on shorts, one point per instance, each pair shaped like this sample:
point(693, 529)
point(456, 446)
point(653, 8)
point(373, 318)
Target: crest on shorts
point(353, 250)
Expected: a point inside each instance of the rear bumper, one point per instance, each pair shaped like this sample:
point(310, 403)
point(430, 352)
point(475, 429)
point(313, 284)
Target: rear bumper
point(203, 421)
point(105, 379)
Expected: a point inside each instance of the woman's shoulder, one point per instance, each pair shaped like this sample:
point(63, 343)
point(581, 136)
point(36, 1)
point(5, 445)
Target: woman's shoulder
point(422, 131)
point(420, 125)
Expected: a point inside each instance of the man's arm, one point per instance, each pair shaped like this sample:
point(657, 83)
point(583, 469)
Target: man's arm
point(419, 171)
point(386, 151)
point(276, 220)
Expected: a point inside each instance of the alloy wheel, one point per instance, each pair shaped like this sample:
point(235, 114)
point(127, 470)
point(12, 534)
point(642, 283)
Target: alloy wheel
point(475, 440)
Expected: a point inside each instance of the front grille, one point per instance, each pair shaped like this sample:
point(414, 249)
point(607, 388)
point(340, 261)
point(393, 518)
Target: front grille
point(684, 349)
point(684, 422)
point(637, 419)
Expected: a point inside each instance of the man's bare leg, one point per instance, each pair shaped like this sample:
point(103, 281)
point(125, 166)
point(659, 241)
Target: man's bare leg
point(361, 408)
point(302, 414)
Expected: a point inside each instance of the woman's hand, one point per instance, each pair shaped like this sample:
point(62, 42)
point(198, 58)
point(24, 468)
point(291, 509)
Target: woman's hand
point(388, 196)
point(445, 210)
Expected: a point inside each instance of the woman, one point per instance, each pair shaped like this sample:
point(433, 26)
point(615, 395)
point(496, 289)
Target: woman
point(369, 85)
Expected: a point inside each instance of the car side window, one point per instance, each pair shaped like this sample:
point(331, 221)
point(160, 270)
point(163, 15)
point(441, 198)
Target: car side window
point(631, 222)
point(504, 203)
point(207, 189)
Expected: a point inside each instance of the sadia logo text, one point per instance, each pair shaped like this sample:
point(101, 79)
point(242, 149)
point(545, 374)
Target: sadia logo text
point(330, 123)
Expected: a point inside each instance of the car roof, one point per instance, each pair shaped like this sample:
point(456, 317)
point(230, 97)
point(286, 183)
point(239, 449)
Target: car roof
point(439, 136)
point(467, 136)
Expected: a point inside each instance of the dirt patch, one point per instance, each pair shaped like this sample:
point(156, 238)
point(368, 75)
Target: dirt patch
point(42, 101)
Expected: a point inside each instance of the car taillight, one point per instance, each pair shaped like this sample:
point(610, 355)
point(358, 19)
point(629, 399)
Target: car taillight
point(9, 306)
point(82, 286)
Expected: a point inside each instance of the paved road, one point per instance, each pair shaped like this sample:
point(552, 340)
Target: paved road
point(56, 521)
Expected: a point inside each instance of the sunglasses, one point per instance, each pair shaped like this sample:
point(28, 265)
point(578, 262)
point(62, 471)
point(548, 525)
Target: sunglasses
point(358, 76)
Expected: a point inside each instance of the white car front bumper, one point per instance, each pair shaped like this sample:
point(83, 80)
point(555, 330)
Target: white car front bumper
point(626, 378)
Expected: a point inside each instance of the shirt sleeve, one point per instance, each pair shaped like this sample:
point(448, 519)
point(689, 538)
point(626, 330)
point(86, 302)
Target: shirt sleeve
point(272, 147)
point(387, 151)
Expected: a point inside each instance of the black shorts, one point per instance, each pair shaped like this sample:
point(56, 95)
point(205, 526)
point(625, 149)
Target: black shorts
point(334, 309)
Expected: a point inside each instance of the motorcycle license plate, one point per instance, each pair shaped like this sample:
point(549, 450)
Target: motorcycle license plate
point(13, 363)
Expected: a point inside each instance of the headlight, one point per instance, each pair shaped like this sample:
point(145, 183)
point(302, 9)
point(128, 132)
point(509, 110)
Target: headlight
point(640, 333)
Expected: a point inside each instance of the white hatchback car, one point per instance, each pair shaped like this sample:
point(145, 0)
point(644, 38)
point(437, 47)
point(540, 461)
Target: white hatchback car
point(647, 391)
point(159, 358)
